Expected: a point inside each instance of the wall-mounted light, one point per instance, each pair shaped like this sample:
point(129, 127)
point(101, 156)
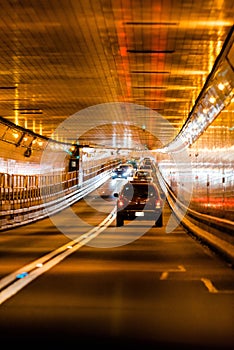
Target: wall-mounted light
point(221, 86)
point(212, 99)
point(20, 140)
point(28, 152)
point(15, 135)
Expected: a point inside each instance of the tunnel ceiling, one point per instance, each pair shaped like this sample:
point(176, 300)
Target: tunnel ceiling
point(60, 58)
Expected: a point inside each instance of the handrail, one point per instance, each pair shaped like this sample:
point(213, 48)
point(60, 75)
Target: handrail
point(216, 232)
point(28, 198)
point(11, 218)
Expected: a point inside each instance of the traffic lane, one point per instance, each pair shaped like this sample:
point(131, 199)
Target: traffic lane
point(147, 292)
point(21, 245)
point(108, 189)
point(27, 241)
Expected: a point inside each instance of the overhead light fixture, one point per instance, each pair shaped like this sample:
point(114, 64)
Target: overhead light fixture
point(216, 94)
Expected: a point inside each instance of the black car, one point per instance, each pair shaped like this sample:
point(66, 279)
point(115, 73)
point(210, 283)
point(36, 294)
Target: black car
point(143, 175)
point(146, 166)
point(123, 171)
point(139, 200)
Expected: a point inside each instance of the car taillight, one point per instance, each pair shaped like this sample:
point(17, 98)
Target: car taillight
point(120, 203)
point(158, 203)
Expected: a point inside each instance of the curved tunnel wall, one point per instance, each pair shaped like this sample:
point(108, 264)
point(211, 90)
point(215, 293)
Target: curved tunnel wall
point(213, 168)
point(212, 165)
point(208, 138)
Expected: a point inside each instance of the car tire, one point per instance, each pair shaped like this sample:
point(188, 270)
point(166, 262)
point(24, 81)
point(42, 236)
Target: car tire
point(159, 221)
point(119, 220)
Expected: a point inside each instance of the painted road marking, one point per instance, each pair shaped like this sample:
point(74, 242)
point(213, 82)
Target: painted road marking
point(165, 274)
point(212, 289)
point(17, 280)
point(209, 285)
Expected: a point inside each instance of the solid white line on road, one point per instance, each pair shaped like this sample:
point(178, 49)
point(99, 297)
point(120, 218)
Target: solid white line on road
point(14, 282)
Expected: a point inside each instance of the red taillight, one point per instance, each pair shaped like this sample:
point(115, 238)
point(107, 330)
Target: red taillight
point(120, 203)
point(158, 203)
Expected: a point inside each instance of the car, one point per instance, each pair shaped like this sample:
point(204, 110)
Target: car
point(146, 166)
point(133, 163)
point(139, 200)
point(124, 170)
point(143, 175)
point(147, 161)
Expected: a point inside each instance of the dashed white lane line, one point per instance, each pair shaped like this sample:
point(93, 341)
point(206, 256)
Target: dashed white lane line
point(165, 274)
point(209, 285)
point(212, 289)
point(181, 268)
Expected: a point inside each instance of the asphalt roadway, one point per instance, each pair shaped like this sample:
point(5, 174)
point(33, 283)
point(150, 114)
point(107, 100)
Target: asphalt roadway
point(132, 287)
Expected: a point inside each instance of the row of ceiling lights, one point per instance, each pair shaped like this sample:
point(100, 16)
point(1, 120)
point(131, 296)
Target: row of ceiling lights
point(216, 94)
point(215, 99)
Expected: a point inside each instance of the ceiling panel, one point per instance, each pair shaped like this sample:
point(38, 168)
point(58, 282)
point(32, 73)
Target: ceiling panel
point(58, 58)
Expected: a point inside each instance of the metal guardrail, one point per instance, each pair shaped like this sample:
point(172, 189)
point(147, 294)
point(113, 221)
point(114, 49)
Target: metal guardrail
point(215, 232)
point(46, 195)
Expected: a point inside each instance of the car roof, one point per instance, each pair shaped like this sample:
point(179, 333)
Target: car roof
point(126, 164)
point(144, 170)
point(141, 183)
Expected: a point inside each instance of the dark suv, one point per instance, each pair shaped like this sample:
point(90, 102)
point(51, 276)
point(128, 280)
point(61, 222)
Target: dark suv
point(139, 200)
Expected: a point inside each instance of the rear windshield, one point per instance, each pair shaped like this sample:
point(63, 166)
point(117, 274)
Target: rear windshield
point(142, 173)
point(124, 167)
point(143, 191)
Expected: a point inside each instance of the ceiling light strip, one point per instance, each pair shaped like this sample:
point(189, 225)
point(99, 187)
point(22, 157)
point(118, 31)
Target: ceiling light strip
point(216, 94)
